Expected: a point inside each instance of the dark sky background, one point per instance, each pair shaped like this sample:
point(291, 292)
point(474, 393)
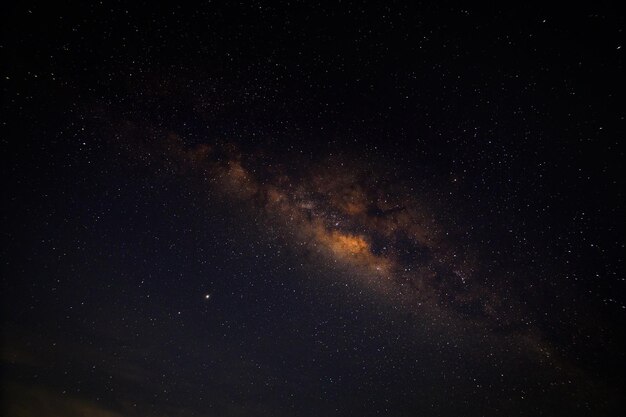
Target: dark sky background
point(264, 209)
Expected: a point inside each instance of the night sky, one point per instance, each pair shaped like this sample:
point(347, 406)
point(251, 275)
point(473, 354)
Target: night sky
point(298, 209)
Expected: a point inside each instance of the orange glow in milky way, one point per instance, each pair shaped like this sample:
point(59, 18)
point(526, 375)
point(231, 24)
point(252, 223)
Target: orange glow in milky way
point(352, 249)
point(352, 245)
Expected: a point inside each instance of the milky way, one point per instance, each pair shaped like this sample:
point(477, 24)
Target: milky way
point(386, 237)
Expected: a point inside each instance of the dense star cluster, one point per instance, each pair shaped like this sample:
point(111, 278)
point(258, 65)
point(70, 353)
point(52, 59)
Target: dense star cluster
point(265, 209)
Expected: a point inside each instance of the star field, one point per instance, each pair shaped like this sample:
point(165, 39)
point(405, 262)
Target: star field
point(300, 209)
